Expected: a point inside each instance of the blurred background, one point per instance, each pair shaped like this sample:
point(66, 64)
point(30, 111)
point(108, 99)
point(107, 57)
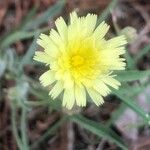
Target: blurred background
point(30, 120)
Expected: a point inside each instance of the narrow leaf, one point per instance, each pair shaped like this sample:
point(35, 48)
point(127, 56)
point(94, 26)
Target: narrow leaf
point(133, 75)
point(131, 104)
point(19, 35)
point(30, 52)
point(28, 17)
point(126, 91)
point(48, 14)
point(143, 52)
point(103, 16)
point(130, 60)
point(43, 96)
point(99, 130)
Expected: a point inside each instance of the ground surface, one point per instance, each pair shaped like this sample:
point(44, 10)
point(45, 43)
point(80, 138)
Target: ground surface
point(135, 13)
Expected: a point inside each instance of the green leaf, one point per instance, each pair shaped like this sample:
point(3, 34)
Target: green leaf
point(103, 16)
point(19, 35)
point(14, 125)
point(130, 60)
point(16, 36)
point(131, 104)
point(126, 90)
point(131, 75)
point(12, 59)
point(3, 64)
point(99, 130)
point(48, 14)
point(46, 99)
point(28, 17)
point(143, 52)
point(29, 54)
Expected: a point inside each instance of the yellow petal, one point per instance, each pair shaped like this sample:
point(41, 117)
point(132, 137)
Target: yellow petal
point(80, 95)
point(49, 47)
point(62, 28)
point(116, 42)
point(101, 88)
point(42, 57)
point(111, 81)
point(101, 30)
point(95, 96)
point(57, 89)
point(55, 37)
point(68, 98)
point(69, 83)
point(73, 17)
point(47, 78)
point(90, 23)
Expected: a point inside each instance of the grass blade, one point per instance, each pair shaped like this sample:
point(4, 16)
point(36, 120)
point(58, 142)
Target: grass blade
point(98, 130)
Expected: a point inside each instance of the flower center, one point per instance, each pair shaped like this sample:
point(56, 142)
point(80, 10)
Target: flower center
point(81, 61)
point(77, 61)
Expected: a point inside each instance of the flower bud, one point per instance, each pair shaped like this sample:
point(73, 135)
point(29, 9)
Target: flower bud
point(130, 33)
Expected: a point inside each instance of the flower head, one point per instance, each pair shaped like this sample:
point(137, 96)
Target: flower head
point(80, 60)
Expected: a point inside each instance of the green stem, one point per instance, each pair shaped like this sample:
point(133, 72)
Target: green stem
point(24, 129)
point(35, 103)
point(14, 128)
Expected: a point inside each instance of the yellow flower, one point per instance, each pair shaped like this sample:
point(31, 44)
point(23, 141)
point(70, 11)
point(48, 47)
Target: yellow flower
point(80, 60)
